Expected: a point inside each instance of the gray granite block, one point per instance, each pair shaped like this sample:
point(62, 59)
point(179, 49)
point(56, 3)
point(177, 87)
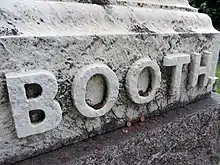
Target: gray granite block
point(184, 136)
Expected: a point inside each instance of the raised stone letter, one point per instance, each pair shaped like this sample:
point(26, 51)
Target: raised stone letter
point(211, 82)
point(31, 95)
point(176, 61)
point(80, 84)
point(133, 78)
point(200, 66)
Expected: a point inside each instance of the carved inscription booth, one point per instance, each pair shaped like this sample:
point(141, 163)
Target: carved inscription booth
point(72, 70)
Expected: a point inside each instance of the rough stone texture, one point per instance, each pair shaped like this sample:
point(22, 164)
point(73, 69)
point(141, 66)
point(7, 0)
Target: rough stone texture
point(79, 90)
point(176, 61)
point(22, 105)
point(132, 79)
point(184, 136)
point(63, 37)
point(200, 66)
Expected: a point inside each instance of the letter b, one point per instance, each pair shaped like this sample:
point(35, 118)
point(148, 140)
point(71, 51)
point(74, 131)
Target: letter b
point(25, 107)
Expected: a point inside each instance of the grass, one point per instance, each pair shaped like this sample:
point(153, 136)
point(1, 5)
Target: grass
point(218, 75)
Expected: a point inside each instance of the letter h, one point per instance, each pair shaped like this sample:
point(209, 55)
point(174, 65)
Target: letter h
point(199, 67)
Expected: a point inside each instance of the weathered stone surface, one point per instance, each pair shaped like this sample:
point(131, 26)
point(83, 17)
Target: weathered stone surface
point(63, 37)
point(200, 66)
point(26, 121)
point(176, 61)
point(185, 136)
point(132, 80)
point(79, 90)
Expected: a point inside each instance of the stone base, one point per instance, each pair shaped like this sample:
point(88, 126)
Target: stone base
point(189, 135)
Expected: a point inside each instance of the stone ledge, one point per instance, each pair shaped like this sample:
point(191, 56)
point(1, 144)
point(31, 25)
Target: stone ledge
point(168, 4)
point(48, 18)
point(188, 135)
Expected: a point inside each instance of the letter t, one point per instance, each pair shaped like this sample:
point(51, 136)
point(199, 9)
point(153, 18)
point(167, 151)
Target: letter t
point(176, 61)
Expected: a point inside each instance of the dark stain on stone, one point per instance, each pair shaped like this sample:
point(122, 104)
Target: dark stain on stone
point(4, 98)
point(14, 31)
point(140, 29)
point(8, 31)
point(64, 92)
point(9, 23)
point(94, 40)
point(140, 4)
point(101, 2)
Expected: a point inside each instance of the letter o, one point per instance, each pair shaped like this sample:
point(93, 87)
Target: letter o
point(79, 89)
point(133, 76)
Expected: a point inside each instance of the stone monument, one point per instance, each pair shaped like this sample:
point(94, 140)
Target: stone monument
point(71, 70)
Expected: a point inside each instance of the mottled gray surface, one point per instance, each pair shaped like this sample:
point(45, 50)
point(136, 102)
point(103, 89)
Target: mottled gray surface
point(166, 4)
point(72, 54)
point(184, 136)
point(64, 37)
